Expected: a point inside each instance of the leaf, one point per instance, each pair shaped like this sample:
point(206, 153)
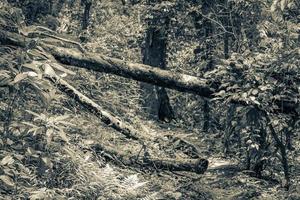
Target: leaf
point(19, 77)
point(88, 142)
point(244, 95)
point(49, 71)
point(46, 99)
point(255, 92)
point(61, 118)
point(275, 122)
point(34, 65)
point(34, 130)
point(40, 116)
point(47, 162)
point(63, 136)
point(33, 113)
point(274, 5)
point(32, 152)
point(40, 194)
point(283, 4)
point(49, 134)
point(221, 93)
point(9, 141)
point(7, 160)
point(263, 88)
point(31, 74)
point(252, 98)
point(7, 180)
point(5, 78)
point(29, 124)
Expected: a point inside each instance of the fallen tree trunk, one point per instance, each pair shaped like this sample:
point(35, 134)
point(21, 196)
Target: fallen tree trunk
point(93, 107)
point(104, 115)
point(100, 63)
point(198, 166)
point(139, 72)
point(193, 165)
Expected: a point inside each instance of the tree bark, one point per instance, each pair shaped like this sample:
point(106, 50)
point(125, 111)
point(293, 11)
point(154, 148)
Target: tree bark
point(226, 25)
point(86, 15)
point(208, 56)
point(282, 149)
point(154, 54)
point(139, 72)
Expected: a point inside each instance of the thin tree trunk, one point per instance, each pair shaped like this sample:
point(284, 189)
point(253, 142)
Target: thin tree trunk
point(86, 15)
point(282, 148)
point(209, 57)
point(226, 25)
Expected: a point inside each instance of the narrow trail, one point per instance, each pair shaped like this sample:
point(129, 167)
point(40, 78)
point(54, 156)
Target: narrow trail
point(225, 178)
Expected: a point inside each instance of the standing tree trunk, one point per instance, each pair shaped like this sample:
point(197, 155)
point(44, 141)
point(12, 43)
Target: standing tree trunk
point(206, 27)
point(154, 54)
point(86, 15)
point(209, 66)
point(226, 25)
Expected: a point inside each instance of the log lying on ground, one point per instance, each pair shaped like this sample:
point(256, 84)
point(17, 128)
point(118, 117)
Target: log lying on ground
point(105, 116)
point(100, 63)
point(145, 73)
point(198, 166)
point(139, 72)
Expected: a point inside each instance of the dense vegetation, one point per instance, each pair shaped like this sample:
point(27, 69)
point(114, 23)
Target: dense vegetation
point(149, 99)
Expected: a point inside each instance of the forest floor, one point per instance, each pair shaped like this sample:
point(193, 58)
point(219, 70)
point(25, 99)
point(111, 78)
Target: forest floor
point(81, 171)
point(224, 178)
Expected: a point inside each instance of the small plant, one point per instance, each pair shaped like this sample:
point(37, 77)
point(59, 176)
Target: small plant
point(51, 126)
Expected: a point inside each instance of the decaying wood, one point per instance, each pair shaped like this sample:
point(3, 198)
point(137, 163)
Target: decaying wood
point(198, 166)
